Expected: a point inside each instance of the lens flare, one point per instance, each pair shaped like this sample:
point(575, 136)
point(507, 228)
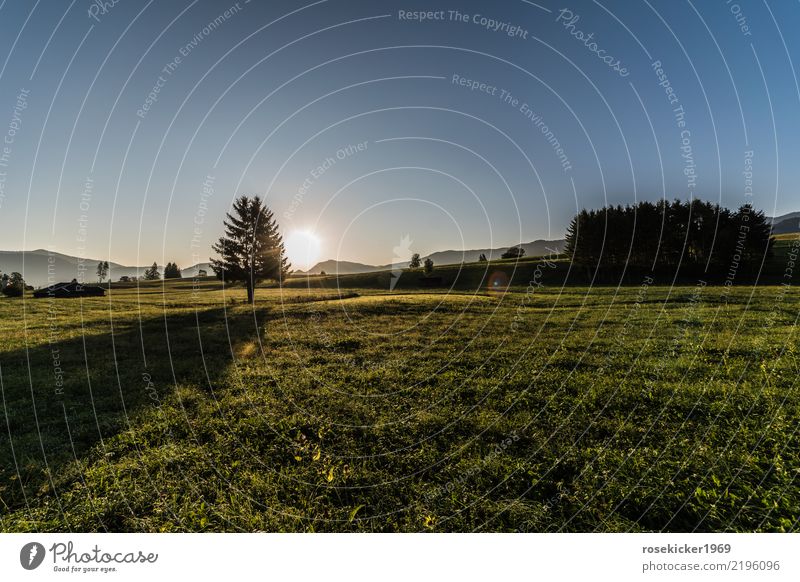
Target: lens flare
point(498, 281)
point(303, 248)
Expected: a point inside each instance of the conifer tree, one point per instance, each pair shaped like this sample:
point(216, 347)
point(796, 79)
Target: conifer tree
point(252, 248)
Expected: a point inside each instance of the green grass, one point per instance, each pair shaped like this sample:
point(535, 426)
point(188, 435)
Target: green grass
point(575, 410)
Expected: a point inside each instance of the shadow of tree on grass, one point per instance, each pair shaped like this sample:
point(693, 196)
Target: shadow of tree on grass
point(61, 399)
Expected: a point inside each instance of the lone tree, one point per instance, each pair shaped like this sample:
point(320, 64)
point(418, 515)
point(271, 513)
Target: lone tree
point(102, 270)
point(13, 286)
point(513, 253)
point(152, 273)
point(171, 271)
point(482, 258)
point(428, 266)
point(252, 248)
point(415, 261)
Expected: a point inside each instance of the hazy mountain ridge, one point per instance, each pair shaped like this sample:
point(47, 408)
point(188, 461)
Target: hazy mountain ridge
point(344, 267)
point(42, 267)
point(783, 217)
point(786, 223)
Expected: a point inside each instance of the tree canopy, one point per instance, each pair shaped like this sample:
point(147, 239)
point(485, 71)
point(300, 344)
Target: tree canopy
point(171, 271)
point(102, 270)
point(13, 286)
point(252, 248)
point(152, 273)
point(514, 252)
point(669, 235)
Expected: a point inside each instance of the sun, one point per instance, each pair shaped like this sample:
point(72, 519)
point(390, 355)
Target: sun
point(302, 248)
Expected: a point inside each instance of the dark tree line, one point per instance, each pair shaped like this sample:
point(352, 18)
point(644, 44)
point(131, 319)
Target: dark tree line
point(668, 235)
point(172, 271)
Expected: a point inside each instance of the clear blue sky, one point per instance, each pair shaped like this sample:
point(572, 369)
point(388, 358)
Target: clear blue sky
point(263, 95)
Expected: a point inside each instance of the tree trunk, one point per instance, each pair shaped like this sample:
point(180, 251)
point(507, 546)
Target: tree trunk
point(250, 294)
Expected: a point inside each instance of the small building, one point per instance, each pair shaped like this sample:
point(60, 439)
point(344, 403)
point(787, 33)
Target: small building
point(68, 290)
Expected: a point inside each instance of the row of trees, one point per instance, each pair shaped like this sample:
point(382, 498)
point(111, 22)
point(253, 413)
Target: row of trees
point(171, 271)
point(416, 262)
point(668, 235)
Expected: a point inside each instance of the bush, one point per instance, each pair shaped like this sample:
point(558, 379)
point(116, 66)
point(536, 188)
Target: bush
point(516, 252)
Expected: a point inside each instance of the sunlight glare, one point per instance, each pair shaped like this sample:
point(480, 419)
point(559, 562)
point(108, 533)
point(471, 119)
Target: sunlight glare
point(303, 249)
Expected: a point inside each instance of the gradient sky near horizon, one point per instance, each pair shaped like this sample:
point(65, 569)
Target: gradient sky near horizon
point(275, 98)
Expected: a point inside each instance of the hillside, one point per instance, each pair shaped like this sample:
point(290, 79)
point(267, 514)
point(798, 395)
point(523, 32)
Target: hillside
point(783, 217)
point(532, 249)
point(342, 267)
point(449, 257)
point(786, 225)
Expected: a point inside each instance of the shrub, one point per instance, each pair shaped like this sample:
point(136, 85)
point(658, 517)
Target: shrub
point(428, 268)
point(12, 291)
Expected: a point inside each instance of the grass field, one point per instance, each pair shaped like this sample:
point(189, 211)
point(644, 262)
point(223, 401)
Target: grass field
point(180, 408)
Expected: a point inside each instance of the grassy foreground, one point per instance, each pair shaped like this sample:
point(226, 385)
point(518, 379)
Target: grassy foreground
point(183, 409)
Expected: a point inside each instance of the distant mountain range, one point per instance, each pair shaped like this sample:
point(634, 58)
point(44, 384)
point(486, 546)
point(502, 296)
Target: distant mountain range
point(786, 223)
point(41, 267)
point(534, 248)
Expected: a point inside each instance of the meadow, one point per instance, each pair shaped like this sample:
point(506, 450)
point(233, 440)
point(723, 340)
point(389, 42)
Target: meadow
point(176, 406)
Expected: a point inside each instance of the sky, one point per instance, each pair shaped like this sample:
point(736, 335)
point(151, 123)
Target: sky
point(373, 131)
